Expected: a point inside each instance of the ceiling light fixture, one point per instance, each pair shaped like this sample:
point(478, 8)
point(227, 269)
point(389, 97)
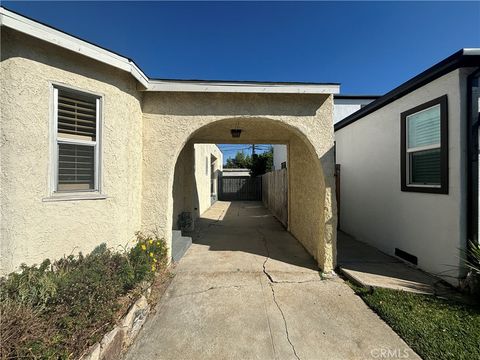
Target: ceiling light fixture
point(236, 132)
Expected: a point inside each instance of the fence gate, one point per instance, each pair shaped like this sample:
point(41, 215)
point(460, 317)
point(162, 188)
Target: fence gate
point(239, 188)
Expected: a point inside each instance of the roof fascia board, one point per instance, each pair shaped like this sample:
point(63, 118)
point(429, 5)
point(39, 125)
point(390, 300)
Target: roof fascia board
point(357, 97)
point(238, 87)
point(471, 51)
point(56, 37)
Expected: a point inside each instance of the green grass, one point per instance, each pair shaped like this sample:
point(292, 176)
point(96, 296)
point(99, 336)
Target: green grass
point(435, 328)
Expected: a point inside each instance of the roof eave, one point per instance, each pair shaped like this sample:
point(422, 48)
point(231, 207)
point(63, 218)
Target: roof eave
point(241, 87)
point(462, 58)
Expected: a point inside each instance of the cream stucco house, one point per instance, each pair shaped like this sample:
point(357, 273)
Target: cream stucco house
point(93, 150)
point(409, 179)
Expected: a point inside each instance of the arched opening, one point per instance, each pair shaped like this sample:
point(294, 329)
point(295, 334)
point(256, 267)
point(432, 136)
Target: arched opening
point(306, 192)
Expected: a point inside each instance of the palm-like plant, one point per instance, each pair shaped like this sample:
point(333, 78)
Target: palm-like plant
point(473, 259)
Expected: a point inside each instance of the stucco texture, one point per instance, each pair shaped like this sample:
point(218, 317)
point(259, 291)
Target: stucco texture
point(147, 155)
point(203, 174)
point(33, 229)
point(304, 122)
point(373, 207)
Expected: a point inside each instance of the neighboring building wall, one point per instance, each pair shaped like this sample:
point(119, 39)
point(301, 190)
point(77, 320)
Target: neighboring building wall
point(341, 109)
point(33, 227)
point(373, 209)
point(184, 189)
point(203, 174)
point(235, 172)
point(345, 107)
point(279, 156)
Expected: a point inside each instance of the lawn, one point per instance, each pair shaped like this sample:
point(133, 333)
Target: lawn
point(435, 328)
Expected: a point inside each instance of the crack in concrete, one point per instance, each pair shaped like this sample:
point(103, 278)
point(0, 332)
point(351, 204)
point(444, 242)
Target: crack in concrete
point(271, 282)
point(294, 282)
point(209, 289)
point(268, 321)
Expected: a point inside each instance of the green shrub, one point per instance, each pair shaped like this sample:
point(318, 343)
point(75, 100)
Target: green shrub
point(148, 255)
point(473, 258)
point(33, 285)
point(56, 310)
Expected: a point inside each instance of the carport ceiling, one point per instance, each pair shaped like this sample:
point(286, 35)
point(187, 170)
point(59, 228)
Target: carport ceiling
point(254, 131)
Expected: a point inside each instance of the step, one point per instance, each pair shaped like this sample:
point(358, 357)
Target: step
point(180, 245)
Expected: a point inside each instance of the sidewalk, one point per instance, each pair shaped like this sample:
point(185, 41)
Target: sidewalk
point(369, 267)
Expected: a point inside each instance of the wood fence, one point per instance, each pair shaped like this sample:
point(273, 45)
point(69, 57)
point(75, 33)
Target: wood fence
point(275, 194)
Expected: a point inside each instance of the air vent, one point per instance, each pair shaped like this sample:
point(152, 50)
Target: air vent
point(406, 256)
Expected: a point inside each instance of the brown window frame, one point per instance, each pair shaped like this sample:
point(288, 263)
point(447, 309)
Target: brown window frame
point(443, 188)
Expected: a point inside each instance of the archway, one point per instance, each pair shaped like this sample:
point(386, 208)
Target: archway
point(306, 186)
point(172, 121)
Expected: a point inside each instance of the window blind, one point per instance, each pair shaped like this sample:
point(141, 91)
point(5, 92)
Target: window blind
point(75, 167)
point(77, 117)
point(425, 167)
point(424, 128)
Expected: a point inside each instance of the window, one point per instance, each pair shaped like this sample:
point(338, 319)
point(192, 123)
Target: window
point(76, 148)
point(283, 165)
point(424, 142)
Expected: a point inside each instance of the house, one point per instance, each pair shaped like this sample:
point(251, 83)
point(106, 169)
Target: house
point(208, 168)
point(208, 164)
point(93, 150)
point(343, 106)
point(409, 181)
point(279, 156)
point(232, 173)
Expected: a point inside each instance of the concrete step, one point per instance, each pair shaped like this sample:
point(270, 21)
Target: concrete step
point(180, 245)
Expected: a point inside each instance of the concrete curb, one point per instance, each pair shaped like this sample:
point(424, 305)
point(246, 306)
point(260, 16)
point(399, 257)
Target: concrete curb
point(354, 278)
point(117, 340)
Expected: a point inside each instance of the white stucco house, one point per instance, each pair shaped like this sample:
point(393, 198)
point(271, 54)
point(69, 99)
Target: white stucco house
point(409, 167)
point(343, 106)
point(94, 150)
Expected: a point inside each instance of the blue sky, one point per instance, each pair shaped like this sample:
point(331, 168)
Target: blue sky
point(368, 47)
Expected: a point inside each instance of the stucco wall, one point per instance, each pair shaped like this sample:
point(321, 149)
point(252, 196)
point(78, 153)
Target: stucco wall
point(143, 135)
point(373, 209)
point(172, 119)
point(203, 173)
point(33, 229)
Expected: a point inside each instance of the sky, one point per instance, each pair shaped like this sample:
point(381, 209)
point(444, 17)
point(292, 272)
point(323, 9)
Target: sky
point(230, 150)
point(367, 47)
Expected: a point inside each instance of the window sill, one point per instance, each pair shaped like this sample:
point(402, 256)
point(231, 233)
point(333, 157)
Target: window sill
point(428, 189)
point(74, 197)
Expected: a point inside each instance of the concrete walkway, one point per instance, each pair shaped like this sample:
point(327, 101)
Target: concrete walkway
point(246, 289)
point(369, 267)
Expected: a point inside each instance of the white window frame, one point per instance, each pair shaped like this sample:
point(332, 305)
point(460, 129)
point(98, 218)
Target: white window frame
point(420, 149)
point(94, 193)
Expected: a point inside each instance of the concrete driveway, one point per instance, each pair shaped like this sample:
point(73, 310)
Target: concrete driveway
point(246, 289)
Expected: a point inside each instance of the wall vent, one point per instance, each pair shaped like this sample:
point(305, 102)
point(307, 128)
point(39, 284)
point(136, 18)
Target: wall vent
point(406, 256)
